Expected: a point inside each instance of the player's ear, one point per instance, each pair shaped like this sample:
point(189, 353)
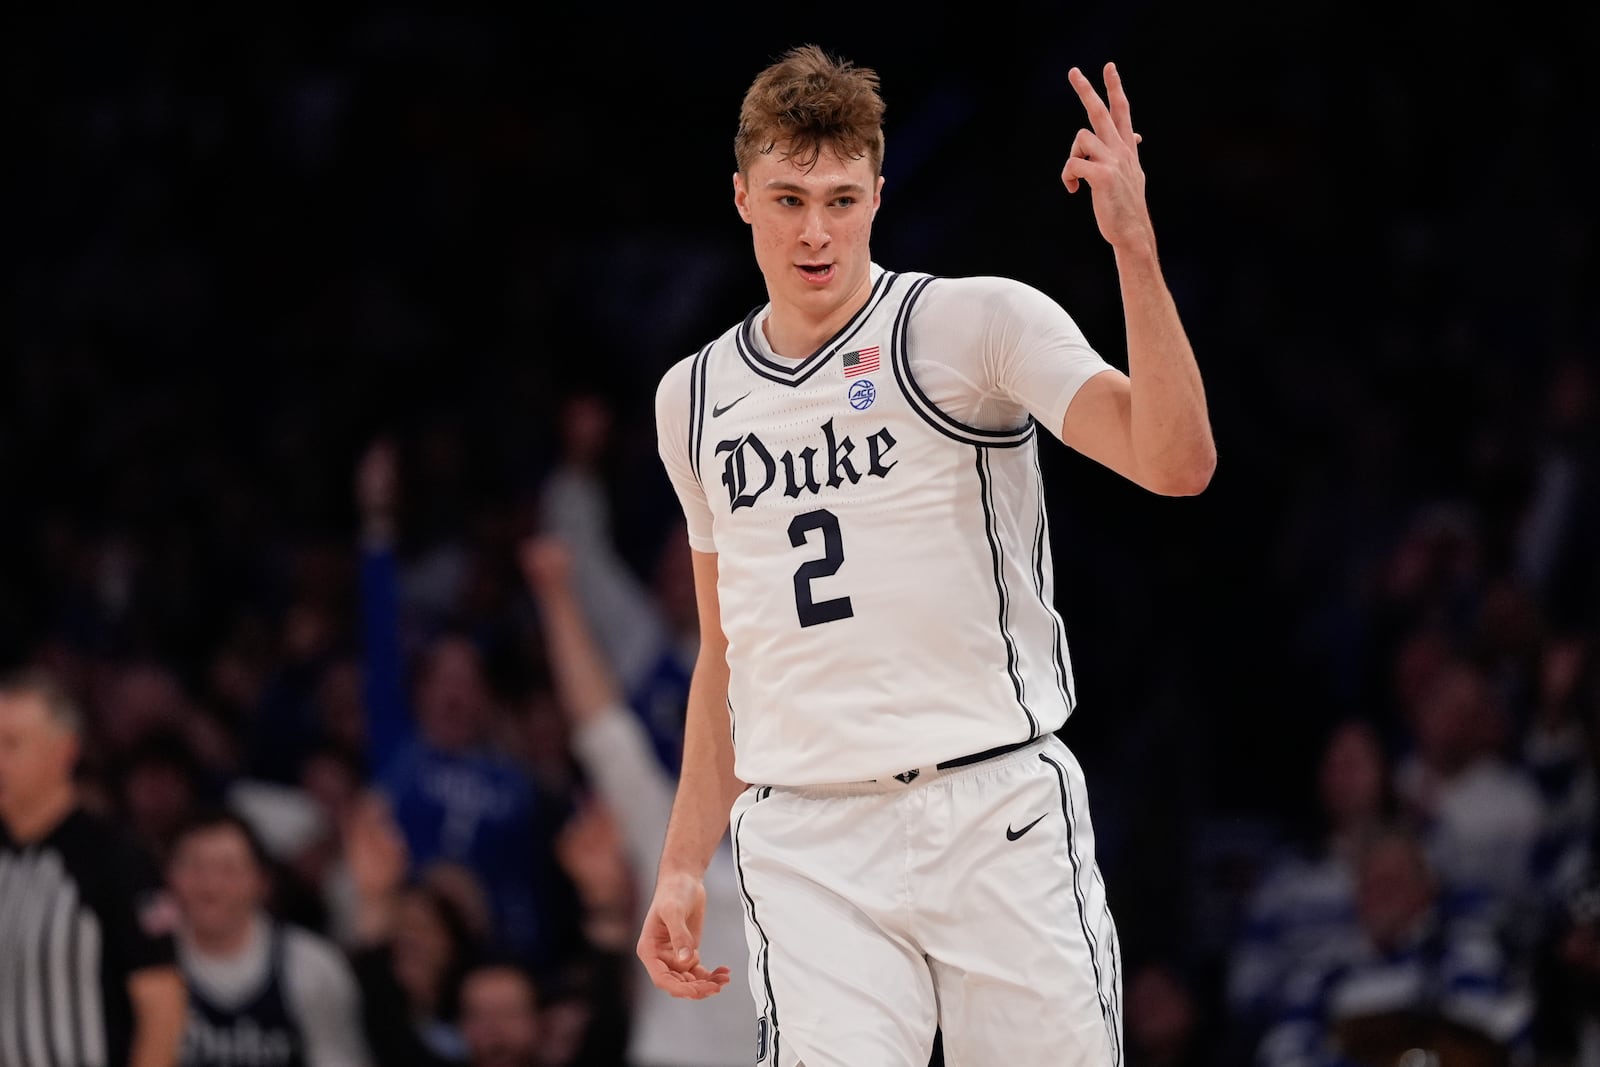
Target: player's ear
point(877, 196)
point(741, 196)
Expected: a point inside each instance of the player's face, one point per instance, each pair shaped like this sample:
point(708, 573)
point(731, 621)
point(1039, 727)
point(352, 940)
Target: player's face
point(35, 753)
point(811, 229)
point(217, 882)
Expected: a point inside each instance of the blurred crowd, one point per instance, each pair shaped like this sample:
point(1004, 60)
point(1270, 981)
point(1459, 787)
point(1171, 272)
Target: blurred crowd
point(334, 501)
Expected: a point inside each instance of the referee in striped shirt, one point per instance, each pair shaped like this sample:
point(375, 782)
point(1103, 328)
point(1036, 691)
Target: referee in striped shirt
point(88, 976)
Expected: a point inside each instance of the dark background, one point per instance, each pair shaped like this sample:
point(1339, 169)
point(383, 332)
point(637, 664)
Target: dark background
point(240, 245)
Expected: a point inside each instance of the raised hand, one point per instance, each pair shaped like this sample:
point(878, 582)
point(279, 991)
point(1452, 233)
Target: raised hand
point(374, 849)
point(378, 489)
point(669, 945)
point(1107, 157)
point(589, 849)
point(546, 562)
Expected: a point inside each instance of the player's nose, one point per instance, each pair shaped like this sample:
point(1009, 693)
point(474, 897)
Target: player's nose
point(815, 231)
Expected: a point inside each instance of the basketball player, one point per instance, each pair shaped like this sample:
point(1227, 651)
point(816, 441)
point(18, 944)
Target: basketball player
point(881, 661)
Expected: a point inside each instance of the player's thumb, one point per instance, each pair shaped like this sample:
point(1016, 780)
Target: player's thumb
point(682, 941)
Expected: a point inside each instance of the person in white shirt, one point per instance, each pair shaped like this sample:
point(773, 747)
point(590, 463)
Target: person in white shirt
point(1480, 815)
point(260, 991)
point(613, 748)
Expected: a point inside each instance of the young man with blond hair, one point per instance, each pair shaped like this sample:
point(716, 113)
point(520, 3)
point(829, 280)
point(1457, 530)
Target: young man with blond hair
point(882, 669)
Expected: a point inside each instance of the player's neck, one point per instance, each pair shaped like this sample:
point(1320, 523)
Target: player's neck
point(35, 821)
point(794, 332)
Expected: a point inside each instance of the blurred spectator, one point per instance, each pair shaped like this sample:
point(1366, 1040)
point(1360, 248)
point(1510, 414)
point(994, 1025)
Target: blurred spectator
point(1569, 1008)
point(1409, 982)
point(332, 778)
point(456, 797)
point(1163, 1020)
point(591, 1018)
point(1561, 521)
point(614, 750)
point(1304, 906)
point(1561, 751)
point(412, 943)
point(160, 786)
point(260, 991)
point(88, 974)
point(1479, 815)
point(649, 634)
point(500, 1016)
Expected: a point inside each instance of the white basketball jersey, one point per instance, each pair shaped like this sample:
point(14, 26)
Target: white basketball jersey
point(884, 570)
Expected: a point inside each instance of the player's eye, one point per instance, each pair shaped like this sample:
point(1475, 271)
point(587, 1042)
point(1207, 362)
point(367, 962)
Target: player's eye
point(845, 201)
point(789, 200)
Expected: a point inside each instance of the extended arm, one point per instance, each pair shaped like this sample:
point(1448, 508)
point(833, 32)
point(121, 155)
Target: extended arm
point(606, 736)
point(1149, 425)
point(327, 1003)
point(159, 1001)
point(383, 662)
point(707, 790)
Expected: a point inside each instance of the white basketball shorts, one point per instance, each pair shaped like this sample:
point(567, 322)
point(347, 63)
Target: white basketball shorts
point(967, 899)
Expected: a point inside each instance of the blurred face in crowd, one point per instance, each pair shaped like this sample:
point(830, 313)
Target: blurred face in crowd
point(499, 1018)
point(1352, 776)
point(422, 949)
point(453, 696)
point(1450, 719)
point(218, 883)
point(585, 427)
point(333, 783)
point(157, 797)
point(1161, 1016)
point(36, 754)
point(1394, 889)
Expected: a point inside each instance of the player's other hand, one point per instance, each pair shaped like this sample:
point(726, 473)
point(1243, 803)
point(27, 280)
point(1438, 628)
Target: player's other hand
point(669, 945)
point(1107, 157)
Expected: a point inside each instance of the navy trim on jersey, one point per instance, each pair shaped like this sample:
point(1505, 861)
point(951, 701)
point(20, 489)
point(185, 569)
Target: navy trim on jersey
point(953, 428)
point(697, 408)
point(1004, 592)
point(1057, 626)
point(802, 371)
point(1116, 976)
point(1083, 915)
point(750, 910)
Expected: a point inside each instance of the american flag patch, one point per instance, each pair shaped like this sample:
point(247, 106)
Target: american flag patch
point(861, 361)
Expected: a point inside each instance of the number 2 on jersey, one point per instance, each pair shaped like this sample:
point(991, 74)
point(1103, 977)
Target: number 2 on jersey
point(811, 612)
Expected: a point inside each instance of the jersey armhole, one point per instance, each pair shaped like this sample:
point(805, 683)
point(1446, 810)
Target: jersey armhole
point(923, 405)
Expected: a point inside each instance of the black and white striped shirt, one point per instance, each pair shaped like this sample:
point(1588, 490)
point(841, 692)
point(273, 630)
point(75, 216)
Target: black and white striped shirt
point(80, 910)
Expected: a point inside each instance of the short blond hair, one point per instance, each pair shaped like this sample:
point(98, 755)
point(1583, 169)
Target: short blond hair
point(808, 101)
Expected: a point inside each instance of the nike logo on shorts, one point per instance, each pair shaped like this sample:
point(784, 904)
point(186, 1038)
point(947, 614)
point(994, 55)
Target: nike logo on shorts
point(722, 409)
point(1012, 835)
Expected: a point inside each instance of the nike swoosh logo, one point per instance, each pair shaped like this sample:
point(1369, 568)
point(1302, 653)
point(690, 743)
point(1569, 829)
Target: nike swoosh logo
point(722, 409)
point(1012, 835)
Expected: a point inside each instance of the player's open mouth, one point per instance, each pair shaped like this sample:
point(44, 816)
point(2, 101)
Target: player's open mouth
point(816, 273)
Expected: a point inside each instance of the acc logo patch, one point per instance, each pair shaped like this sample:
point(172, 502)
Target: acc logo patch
point(761, 1038)
point(862, 394)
